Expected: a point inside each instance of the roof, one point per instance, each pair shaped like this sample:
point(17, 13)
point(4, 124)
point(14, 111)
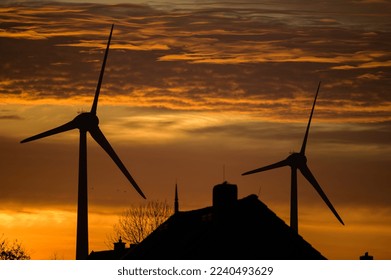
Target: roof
point(118, 253)
point(107, 255)
point(247, 229)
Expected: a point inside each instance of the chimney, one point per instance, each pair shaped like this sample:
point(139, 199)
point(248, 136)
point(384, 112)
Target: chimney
point(225, 195)
point(366, 257)
point(119, 246)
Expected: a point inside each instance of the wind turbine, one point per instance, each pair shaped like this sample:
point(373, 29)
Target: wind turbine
point(88, 121)
point(299, 161)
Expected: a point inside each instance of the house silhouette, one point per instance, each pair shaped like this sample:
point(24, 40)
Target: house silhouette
point(230, 229)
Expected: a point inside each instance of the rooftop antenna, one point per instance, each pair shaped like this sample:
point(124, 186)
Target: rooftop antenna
point(299, 161)
point(223, 172)
point(176, 201)
point(88, 122)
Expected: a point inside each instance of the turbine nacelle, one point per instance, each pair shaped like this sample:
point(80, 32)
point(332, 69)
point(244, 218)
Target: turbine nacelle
point(296, 160)
point(86, 121)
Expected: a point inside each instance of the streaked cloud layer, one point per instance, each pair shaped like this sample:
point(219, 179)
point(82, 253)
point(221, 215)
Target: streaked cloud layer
point(190, 86)
point(246, 58)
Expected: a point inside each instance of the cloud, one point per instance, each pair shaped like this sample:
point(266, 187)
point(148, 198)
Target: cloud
point(10, 117)
point(247, 62)
point(183, 60)
point(191, 74)
point(370, 76)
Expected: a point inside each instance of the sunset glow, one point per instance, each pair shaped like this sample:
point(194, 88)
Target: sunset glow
point(191, 86)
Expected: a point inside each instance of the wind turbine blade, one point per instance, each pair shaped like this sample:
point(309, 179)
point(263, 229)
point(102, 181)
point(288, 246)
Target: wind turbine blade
point(268, 167)
point(302, 151)
point(308, 175)
point(65, 127)
point(95, 103)
point(97, 134)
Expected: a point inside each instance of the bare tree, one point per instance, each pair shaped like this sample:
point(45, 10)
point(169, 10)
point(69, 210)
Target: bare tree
point(136, 223)
point(56, 256)
point(14, 251)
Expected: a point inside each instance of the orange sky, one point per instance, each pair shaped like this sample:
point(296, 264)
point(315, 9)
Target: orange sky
point(188, 89)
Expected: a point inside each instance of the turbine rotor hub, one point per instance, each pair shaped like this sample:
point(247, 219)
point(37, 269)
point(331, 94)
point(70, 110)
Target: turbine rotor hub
point(87, 120)
point(297, 159)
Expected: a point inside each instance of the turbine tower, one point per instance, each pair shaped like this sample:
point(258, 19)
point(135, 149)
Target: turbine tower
point(88, 121)
point(299, 161)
